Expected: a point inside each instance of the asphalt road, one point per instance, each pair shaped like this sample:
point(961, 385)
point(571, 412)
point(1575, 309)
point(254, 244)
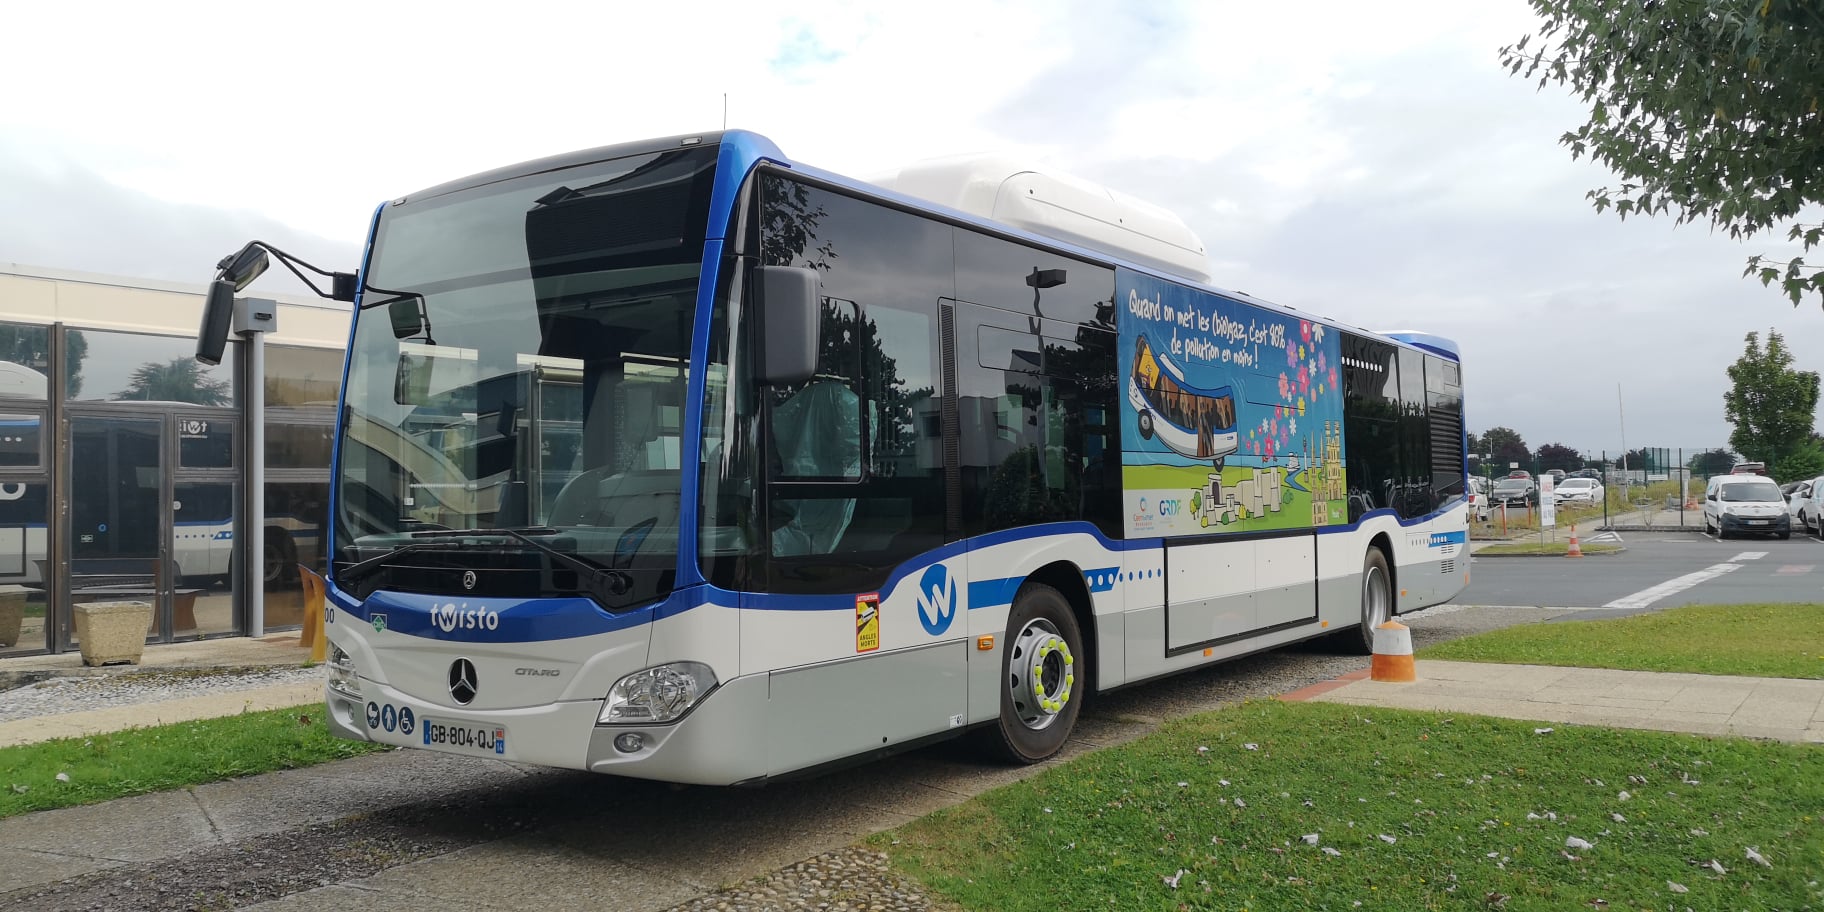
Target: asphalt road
point(1658, 570)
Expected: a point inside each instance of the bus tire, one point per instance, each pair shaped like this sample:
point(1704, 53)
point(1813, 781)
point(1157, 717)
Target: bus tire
point(1038, 708)
point(1377, 602)
point(1146, 425)
point(281, 558)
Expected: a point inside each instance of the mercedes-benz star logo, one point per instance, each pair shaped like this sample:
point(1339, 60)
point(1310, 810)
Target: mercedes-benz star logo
point(468, 579)
point(462, 681)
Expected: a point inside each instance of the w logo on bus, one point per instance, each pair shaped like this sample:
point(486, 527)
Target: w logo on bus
point(936, 599)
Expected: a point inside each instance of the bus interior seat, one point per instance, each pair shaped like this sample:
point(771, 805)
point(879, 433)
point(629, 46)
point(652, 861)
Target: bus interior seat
point(817, 434)
point(614, 500)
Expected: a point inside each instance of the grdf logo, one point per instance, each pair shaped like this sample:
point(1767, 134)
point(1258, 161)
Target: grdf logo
point(936, 599)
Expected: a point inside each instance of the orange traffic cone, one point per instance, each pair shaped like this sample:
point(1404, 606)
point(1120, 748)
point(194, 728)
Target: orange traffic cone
point(1392, 659)
point(1573, 550)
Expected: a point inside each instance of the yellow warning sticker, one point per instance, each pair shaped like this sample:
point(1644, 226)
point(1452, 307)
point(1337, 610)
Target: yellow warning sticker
point(867, 622)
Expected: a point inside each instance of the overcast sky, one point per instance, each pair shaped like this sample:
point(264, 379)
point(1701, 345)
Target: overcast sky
point(1364, 161)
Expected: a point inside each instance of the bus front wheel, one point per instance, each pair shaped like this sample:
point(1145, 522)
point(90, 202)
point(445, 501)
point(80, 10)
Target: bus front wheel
point(1146, 425)
point(1042, 675)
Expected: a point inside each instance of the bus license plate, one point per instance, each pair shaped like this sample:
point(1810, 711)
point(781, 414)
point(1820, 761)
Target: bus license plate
point(465, 737)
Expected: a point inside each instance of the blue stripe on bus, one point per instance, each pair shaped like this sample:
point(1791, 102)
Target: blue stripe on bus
point(563, 618)
point(995, 592)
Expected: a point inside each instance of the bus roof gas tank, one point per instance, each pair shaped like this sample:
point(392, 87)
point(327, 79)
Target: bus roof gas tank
point(1056, 205)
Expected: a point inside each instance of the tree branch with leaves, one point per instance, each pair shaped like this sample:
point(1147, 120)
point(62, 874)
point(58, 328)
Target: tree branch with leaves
point(1707, 109)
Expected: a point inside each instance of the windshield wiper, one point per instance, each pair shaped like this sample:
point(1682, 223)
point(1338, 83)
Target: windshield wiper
point(605, 585)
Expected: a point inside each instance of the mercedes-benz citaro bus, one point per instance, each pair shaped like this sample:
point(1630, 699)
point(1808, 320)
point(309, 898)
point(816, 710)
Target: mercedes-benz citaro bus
point(683, 460)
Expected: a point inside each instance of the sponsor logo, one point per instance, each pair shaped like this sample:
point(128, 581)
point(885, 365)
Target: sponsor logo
point(1171, 507)
point(936, 599)
point(463, 681)
point(537, 672)
point(379, 623)
point(449, 618)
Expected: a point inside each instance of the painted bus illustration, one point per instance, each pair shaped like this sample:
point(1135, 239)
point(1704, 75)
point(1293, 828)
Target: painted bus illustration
point(1192, 422)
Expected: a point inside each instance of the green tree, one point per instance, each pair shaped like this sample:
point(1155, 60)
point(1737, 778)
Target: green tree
point(1559, 456)
point(177, 380)
point(1712, 462)
point(1772, 406)
point(1504, 445)
point(1707, 109)
point(1801, 464)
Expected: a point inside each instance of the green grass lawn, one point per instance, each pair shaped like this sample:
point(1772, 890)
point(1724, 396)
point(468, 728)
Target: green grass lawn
point(103, 767)
point(1544, 548)
point(1773, 641)
point(1406, 811)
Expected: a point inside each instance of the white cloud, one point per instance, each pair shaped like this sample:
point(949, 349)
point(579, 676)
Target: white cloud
point(1365, 161)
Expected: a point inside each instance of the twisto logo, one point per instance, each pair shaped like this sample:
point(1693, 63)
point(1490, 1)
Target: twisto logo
point(936, 599)
point(449, 618)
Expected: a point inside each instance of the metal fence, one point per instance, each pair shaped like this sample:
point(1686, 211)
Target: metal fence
point(1652, 487)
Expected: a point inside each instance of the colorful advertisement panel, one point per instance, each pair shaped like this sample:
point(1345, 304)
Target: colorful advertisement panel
point(1232, 419)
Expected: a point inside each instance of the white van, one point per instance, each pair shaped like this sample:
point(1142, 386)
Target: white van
point(1735, 504)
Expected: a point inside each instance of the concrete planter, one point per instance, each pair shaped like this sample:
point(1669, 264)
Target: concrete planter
point(112, 632)
point(12, 615)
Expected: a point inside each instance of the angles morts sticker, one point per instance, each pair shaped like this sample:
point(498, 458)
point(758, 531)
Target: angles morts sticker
point(867, 622)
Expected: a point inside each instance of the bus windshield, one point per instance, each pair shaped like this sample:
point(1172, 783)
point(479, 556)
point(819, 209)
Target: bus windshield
point(519, 362)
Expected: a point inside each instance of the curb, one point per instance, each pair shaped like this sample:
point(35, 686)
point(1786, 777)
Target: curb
point(1586, 553)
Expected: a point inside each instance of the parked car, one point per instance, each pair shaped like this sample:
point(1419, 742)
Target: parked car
point(1795, 493)
point(1514, 491)
point(1520, 473)
point(1749, 468)
point(1579, 490)
point(1587, 473)
point(1810, 515)
point(1478, 498)
point(1558, 475)
point(1736, 504)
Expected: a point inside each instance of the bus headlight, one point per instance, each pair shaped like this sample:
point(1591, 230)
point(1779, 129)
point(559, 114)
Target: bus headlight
point(658, 694)
point(342, 678)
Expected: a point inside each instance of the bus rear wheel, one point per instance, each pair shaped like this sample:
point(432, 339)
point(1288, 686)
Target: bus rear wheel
point(1377, 603)
point(1040, 668)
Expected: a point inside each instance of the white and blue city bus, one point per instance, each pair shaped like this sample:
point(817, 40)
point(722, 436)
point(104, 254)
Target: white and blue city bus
point(829, 470)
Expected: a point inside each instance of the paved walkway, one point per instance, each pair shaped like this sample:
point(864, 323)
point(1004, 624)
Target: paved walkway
point(1781, 709)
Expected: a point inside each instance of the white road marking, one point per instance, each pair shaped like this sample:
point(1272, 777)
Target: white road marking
point(1646, 597)
point(1749, 555)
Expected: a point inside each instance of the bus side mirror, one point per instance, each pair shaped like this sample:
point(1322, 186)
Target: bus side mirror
point(790, 308)
point(403, 313)
point(218, 312)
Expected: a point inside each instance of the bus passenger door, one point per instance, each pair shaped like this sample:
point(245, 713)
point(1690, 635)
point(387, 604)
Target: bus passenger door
point(1209, 592)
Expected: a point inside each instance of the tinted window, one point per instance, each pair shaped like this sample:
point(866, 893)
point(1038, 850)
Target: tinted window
point(857, 462)
point(1031, 282)
point(1414, 496)
point(1371, 423)
point(1444, 417)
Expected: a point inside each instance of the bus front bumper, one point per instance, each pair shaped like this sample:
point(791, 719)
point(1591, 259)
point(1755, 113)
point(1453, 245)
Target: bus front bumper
point(719, 741)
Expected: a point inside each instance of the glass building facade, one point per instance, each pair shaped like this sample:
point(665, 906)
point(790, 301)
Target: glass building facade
point(121, 471)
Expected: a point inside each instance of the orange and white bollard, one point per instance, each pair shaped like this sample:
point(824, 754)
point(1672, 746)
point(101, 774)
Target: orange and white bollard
point(1392, 660)
point(1573, 550)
